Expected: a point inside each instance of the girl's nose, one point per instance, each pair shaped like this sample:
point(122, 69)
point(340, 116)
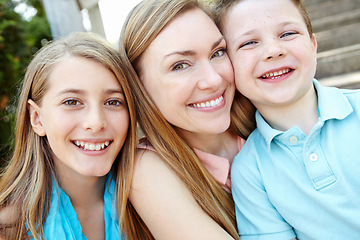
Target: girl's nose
point(94, 119)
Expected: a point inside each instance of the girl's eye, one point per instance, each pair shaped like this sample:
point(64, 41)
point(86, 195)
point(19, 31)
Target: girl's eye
point(248, 43)
point(71, 102)
point(114, 102)
point(219, 53)
point(179, 66)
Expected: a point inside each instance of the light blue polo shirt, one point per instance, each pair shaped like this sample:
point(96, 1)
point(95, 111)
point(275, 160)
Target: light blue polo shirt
point(62, 222)
point(287, 184)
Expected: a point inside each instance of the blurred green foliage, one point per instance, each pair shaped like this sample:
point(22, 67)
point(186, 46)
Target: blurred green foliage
point(19, 40)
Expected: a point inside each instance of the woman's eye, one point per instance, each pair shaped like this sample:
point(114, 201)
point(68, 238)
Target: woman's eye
point(114, 102)
point(71, 102)
point(219, 53)
point(179, 66)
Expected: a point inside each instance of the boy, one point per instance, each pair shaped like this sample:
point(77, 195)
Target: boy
point(298, 175)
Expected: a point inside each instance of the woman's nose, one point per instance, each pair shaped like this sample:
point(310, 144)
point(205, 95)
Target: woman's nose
point(209, 77)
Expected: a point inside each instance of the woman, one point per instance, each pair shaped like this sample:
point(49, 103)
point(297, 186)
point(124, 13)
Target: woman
point(74, 145)
point(184, 91)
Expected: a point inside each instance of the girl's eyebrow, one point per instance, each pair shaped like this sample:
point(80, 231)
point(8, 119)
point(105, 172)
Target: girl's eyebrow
point(82, 92)
point(72, 90)
point(112, 91)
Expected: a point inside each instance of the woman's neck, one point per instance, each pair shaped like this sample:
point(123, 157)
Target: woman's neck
point(222, 144)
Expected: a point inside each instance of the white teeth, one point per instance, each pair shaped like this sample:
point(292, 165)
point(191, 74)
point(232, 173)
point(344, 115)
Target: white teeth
point(92, 146)
point(273, 75)
point(211, 103)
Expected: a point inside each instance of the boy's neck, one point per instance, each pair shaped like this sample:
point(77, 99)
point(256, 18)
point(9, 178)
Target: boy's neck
point(303, 113)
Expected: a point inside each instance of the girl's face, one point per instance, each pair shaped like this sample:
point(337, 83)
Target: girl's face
point(274, 57)
point(187, 73)
point(84, 116)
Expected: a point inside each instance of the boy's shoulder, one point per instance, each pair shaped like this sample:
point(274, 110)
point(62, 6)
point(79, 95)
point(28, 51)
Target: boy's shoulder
point(254, 145)
point(352, 95)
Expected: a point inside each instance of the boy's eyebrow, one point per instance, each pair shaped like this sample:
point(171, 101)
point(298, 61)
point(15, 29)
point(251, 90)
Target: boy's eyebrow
point(191, 52)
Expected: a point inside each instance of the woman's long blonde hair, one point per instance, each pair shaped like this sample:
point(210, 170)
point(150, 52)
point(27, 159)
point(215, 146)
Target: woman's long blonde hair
point(26, 182)
point(142, 26)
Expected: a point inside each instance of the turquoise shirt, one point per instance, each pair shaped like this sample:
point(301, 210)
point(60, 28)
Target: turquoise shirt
point(288, 184)
point(62, 222)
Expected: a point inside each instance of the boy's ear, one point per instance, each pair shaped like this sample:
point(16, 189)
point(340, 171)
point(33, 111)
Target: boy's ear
point(34, 112)
point(314, 42)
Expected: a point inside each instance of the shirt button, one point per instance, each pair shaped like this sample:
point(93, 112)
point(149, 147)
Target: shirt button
point(313, 157)
point(293, 139)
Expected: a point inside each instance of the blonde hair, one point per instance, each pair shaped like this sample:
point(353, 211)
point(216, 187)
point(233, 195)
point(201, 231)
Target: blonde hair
point(223, 6)
point(142, 26)
point(26, 183)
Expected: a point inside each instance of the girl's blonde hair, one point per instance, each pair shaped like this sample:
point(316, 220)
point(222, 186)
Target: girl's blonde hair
point(142, 26)
point(26, 182)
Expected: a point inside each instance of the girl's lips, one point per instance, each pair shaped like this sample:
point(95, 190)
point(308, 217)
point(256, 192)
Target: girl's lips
point(91, 146)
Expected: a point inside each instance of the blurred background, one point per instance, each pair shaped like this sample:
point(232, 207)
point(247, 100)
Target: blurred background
point(25, 25)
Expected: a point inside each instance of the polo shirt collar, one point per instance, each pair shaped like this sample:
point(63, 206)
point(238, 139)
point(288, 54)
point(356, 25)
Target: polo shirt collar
point(332, 104)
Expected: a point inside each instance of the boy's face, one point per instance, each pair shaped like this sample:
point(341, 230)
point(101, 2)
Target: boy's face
point(273, 56)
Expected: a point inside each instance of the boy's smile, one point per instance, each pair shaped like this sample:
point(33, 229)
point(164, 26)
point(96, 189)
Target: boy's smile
point(274, 57)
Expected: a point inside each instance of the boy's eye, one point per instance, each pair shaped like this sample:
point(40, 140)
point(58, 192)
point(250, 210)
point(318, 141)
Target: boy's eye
point(248, 43)
point(179, 66)
point(286, 34)
point(218, 53)
point(71, 102)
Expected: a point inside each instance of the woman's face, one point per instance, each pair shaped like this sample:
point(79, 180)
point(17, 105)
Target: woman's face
point(84, 116)
point(188, 74)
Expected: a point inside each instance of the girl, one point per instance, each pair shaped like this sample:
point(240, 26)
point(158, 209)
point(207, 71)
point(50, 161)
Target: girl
point(75, 135)
point(184, 90)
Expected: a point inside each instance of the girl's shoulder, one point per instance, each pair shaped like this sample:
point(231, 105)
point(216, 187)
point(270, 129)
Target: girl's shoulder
point(9, 214)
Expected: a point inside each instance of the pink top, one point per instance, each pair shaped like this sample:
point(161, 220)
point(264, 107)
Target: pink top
point(218, 167)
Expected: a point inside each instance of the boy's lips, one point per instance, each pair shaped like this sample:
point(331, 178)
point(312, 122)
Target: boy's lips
point(274, 74)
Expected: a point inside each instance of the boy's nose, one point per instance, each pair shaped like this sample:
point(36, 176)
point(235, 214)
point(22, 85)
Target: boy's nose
point(274, 49)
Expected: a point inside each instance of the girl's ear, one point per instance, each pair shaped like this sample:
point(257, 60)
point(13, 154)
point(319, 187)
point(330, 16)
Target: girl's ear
point(35, 121)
